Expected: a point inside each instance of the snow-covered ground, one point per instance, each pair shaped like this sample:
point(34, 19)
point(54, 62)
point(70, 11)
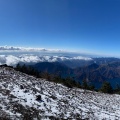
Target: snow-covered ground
point(19, 93)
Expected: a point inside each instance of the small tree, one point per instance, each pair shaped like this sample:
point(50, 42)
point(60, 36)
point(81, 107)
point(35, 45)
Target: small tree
point(117, 89)
point(91, 87)
point(18, 67)
point(84, 84)
point(106, 88)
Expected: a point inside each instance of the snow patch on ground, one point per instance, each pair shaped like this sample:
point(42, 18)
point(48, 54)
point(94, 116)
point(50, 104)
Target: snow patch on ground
point(18, 97)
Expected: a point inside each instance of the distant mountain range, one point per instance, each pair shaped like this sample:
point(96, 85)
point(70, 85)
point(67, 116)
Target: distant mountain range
point(93, 72)
point(100, 73)
point(54, 68)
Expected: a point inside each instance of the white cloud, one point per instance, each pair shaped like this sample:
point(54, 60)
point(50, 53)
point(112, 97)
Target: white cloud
point(27, 49)
point(11, 60)
point(28, 58)
point(82, 58)
point(13, 55)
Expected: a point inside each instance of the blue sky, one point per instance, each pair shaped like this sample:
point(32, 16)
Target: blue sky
point(78, 25)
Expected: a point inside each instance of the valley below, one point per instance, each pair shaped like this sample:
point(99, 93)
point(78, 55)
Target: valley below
point(94, 73)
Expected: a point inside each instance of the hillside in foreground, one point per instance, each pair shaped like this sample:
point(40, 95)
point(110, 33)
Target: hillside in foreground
point(28, 98)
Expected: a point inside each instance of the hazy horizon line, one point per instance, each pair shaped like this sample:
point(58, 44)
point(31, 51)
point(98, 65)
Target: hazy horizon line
point(38, 49)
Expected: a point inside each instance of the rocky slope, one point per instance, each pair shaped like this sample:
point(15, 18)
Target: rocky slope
point(24, 97)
